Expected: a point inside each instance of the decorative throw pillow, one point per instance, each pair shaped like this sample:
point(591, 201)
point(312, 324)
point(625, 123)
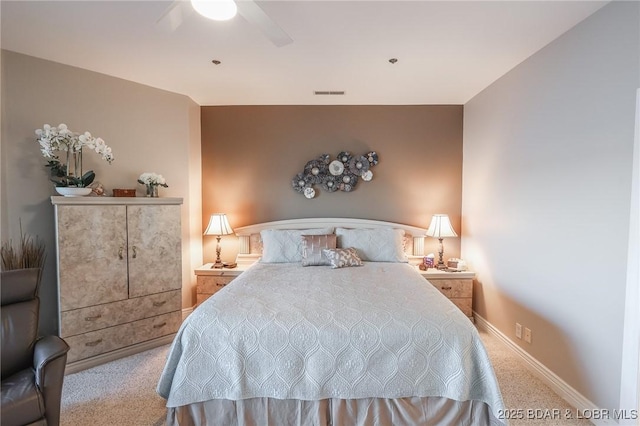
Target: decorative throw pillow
point(312, 246)
point(342, 257)
point(285, 245)
point(376, 244)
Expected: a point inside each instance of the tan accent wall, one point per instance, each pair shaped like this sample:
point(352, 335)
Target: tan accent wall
point(251, 153)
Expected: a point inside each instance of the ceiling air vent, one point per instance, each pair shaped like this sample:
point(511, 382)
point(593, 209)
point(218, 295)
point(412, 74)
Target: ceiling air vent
point(329, 92)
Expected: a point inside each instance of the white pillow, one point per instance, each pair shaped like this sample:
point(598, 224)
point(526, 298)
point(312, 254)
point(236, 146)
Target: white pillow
point(285, 245)
point(374, 245)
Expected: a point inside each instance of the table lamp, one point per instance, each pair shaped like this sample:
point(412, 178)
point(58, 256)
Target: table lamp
point(440, 228)
point(218, 226)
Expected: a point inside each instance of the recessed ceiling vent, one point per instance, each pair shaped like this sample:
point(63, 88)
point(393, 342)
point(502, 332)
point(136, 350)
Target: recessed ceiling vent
point(329, 92)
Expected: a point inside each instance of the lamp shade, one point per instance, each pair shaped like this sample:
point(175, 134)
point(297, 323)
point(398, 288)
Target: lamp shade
point(440, 227)
point(218, 225)
point(218, 10)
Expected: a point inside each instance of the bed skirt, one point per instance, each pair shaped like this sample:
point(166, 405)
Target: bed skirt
point(432, 411)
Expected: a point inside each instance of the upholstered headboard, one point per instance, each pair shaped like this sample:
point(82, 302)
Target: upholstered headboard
point(250, 248)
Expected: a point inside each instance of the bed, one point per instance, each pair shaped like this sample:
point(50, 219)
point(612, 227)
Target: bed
point(332, 325)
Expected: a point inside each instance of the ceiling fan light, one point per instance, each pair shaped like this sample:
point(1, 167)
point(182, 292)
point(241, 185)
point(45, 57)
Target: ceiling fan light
point(218, 10)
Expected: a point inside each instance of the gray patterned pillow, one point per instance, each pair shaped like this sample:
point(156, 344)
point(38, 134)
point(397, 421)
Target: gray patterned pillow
point(312, 246)
point(342, 257)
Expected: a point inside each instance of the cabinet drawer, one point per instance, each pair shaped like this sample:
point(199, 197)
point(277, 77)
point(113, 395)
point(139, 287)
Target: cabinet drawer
point(211, 284)
point(97, 317)
point(112, 338)
point(454, 288)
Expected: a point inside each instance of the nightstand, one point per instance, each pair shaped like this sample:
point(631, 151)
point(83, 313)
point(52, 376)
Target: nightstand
point(209, 280)
point(457, 286)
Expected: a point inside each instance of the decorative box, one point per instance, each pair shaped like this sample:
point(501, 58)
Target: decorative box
point(124, 192)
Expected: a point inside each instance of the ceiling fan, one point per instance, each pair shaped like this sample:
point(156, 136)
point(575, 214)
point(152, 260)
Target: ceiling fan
point(179, 10)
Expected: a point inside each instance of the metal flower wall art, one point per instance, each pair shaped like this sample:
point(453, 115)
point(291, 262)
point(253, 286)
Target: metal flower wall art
point(341, 174)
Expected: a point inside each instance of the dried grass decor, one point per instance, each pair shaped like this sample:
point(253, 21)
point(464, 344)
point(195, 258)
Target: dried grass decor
point(29, 253)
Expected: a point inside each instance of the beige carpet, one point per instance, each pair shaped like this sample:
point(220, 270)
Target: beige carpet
point(122, 392)
point(526, 397)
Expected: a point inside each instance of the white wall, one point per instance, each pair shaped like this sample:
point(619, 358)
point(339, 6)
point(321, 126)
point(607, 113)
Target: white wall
point(630, 388)
point(149, 130)
point(546, 196)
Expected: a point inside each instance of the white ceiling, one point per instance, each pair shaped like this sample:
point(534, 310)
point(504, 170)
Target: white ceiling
point(447, 51)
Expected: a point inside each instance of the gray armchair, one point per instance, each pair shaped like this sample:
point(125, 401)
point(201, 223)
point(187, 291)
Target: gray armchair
point(32, 367)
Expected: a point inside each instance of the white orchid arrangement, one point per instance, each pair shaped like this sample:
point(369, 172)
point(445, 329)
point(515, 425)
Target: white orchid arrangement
point(54, 140)
point(152, 179)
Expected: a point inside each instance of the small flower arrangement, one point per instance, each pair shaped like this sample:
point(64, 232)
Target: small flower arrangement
point(54, 140)
point(152, 179)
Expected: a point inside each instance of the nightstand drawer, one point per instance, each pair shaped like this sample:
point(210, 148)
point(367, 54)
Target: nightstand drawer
point(201, 297)
point(464, 304)
point(210, 280)
point(211, 284)
point(454, 288)
point(208, 285)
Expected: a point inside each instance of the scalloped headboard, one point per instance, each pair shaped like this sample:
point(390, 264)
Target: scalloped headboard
point(250, 248)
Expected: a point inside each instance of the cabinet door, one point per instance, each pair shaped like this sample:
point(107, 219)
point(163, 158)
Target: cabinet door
point(155, 249)
point(92, 255)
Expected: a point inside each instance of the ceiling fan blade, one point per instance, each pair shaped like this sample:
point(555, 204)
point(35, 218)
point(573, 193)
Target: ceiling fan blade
point(174, 15)
point(253, 13)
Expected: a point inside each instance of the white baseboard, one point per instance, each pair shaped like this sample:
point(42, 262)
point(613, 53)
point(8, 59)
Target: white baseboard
point(559, 386)
point(186, 312)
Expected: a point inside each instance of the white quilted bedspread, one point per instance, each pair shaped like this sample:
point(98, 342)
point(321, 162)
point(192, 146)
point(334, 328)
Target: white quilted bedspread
point(290, 332)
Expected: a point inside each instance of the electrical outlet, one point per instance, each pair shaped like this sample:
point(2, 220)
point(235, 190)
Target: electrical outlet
point(527, 335)
point(519, 330)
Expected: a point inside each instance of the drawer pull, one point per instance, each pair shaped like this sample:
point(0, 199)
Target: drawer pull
point(158, 304)
point(221, 284)
point(120, 253)
point(94, 343)
point(93, 318)
point(160, 325)
point(135, 253)
point(447, 288)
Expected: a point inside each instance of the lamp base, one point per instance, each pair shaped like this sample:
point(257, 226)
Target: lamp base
point(218, 263)
point(440, 264)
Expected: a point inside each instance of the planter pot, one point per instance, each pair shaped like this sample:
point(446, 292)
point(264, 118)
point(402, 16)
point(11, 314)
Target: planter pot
point(70, 191)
